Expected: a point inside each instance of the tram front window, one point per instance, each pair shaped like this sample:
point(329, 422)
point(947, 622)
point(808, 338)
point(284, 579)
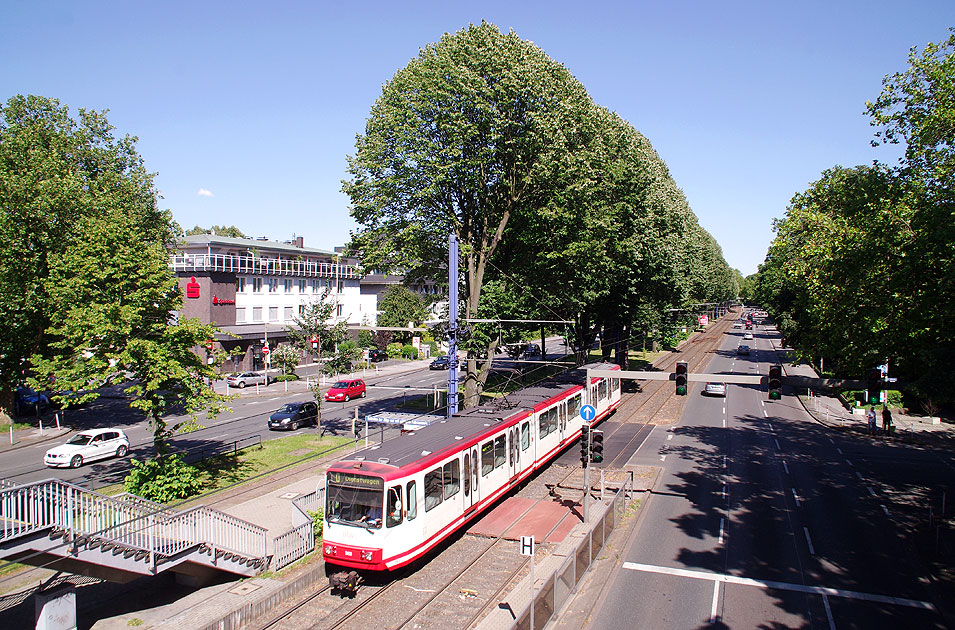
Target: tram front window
point(352, 499)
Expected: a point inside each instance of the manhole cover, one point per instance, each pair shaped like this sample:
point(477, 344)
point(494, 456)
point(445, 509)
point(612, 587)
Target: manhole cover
point(289, 495)
point(245, 588)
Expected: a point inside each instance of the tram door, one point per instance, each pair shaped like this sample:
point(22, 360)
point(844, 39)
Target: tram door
point(471, 475)
point(562, 420)
point(513, 453)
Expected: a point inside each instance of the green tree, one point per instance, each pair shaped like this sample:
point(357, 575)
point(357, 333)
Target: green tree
point(317, 322)
point(286, 358)
point(219, 230)
point(85, 262)
point(400, 305)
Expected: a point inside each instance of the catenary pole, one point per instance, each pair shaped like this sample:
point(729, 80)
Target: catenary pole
point(452, 324)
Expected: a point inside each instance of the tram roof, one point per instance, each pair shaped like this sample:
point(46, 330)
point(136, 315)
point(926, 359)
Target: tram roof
point(435, 440)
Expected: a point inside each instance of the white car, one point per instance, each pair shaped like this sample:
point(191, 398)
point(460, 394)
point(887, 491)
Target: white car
point(715, 389)
point(88, 446)
point(748, 336)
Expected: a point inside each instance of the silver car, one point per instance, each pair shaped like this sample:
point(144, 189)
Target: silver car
point(242, 379)
point(715, 389)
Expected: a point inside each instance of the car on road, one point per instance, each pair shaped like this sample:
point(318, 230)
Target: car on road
point(748, 336)
point(242, 379)
point(738, 325)
point(346, 390)
point(294, 415)
point(442, 363)
point(742, 349)
point(375, 355)
point(88, 446)
point(715, 389)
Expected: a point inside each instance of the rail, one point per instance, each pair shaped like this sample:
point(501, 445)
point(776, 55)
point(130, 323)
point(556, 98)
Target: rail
point(127, 520)
point(261, 266)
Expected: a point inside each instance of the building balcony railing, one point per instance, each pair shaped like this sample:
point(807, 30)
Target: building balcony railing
point(255, 265)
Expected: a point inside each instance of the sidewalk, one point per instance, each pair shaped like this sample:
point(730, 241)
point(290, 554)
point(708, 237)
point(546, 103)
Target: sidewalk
point(28, 437)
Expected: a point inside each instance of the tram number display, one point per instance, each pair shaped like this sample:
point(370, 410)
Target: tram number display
point(355, 481)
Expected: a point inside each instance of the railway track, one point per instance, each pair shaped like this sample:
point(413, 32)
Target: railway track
point(453, 590)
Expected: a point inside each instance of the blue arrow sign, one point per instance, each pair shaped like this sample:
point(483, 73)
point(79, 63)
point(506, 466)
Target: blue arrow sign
point(588, 412)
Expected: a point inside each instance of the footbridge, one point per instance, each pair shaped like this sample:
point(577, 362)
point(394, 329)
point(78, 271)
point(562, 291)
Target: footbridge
point(64, 527)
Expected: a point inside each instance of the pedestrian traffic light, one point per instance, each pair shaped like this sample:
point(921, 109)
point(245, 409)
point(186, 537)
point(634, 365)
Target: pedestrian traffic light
point(873, 387)
point(585, 444)
point(209, 343)
point(596, 446)
point(681, 375)
point(775, 383)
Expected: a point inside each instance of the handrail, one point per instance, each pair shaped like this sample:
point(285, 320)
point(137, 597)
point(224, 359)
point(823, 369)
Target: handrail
point(259, 265)
point(130, 521)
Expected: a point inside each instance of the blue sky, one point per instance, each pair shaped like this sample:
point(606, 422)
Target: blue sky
point(257, 104)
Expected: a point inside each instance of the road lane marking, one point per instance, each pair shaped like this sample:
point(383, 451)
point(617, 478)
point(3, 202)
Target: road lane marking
point(771, 427)
point(724, 461)
point(832, 622)
point(777, 444)
point(715, 604)
point(765, 415)
point(859, 476)
point(839, 450)
point(669, 437)
point(722, 524)
point(812, 551)
point(849, 462)
point(724, 422)
point(723, 492)
point(785, 467)
point(871, 491)
point(796, 497)
point(783, 586)
point(885, 510)
point(663, 458)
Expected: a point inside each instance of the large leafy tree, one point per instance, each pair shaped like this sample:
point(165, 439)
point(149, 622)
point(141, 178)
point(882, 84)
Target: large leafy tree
point(315, 331)
point(462, 140)
point(400, 305)
point(84, 268)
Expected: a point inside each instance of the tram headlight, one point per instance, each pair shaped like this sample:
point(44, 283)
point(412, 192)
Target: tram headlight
point(329, 550)
point(368, 556)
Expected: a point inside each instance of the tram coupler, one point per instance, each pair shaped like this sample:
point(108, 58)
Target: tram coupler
point(345, 581)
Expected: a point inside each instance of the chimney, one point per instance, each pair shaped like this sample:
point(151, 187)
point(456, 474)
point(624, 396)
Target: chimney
point(299, 242)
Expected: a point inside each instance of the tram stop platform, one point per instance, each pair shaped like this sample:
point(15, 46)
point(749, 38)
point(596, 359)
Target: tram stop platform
point(546, 521)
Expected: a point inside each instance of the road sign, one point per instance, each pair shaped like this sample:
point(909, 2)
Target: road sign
point(265, 351)
point(527, 545)
point(588, 412)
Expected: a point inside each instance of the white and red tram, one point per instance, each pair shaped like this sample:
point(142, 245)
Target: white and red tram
point(392, 503)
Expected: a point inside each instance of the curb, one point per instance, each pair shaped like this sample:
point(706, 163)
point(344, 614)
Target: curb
point(30, 442)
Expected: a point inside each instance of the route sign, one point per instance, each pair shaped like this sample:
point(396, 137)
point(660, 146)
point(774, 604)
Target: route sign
point(527, 545)
point(588, 412)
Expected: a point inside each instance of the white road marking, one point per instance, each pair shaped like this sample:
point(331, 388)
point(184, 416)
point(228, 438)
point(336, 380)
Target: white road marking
point(724, 461)
point(722, 524)
point(812, 551)
point(796, 497)
point(871, 491)
point(839, 450)
point(832, 622)
point(831, 441)
point(723, 492)
point(724, 422)
point(669, 437)
point(663, 458)
point(777, 444)
point(765, 415)
point(849, 462)
point(885, 510)
point(859, 476)
point(716, 598)
point(785, 467)
point(785, 586)
point(771, 427)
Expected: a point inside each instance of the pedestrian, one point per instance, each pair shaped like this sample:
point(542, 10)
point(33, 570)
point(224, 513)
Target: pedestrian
point(870, 418)
point(886, 419)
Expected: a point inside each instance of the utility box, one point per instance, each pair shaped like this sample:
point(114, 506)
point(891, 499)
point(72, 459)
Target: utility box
point(56, 608)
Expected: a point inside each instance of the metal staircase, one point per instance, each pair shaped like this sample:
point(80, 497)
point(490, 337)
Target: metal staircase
point(58, 525)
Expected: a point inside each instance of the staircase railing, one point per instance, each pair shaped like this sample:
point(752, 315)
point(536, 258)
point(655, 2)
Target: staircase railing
point(127, 520)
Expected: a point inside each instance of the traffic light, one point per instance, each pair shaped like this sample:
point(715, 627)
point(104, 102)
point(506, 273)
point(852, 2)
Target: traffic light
point(681, 375)
point(873, 390)
point(596, 446)
point(775, 382)
point(585, 444)
point(209, 343)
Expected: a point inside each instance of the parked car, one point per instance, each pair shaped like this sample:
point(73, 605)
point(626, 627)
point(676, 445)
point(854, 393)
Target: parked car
point(375, 355)
point(294, 415)
point(715, 389)
point(743, 349)
point(241, 379)
point(88, 446)
point(442, 363)
point(346, 390)
point(30, 401)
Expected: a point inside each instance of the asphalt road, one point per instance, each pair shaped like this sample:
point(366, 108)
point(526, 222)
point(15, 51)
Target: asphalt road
point(765, 519)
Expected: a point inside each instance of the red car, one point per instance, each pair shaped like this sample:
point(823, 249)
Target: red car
point(346, 390)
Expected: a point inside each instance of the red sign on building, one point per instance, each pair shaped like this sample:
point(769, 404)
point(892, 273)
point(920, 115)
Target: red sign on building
point(192, 288)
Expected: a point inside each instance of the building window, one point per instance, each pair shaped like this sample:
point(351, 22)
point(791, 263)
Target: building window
point(289, 313)
point(256, 313)
point(256, 285)
point(239, 314)
point(273, 313)
point(314, 285)
point(273, 285)
point(240, 285)
point(341, 286)
point(301, 286)
point(338, 310)
point(288, 285)
point(301, 310)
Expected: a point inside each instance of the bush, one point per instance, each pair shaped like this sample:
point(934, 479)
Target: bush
point(409, 352)
point(284, 377)
point(163, 480)
point(394, 350)
point(317, 517)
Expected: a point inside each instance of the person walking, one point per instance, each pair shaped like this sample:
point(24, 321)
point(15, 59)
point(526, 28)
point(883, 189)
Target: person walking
point(886, 419)
point(870, 418)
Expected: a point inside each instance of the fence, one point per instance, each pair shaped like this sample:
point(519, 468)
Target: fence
point(299, 541)
point(563, 569)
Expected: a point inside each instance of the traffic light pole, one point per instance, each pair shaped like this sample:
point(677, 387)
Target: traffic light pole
point(586, 494)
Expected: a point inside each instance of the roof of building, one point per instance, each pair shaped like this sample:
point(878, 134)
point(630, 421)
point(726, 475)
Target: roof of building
point(205, 240)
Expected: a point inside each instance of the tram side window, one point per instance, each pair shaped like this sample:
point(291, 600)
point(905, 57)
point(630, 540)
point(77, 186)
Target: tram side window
point(432, 489)
point(500, 451)
point(552, 419)
point(452, 478)
point(615, 384)
point(467, 474)
point(487, 457)
point(394, 507)
point(574, 408)
point(412, 500)
point(525, 436)
point(602, 389)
